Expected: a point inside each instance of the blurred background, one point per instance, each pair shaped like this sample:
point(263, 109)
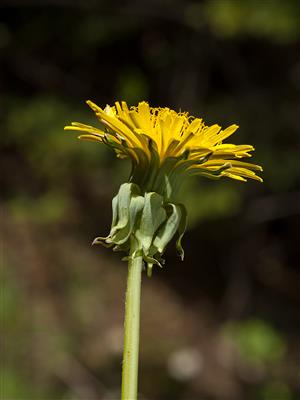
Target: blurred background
point(223, 325)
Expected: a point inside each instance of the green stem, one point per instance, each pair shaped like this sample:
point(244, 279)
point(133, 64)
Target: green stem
point(132, 326)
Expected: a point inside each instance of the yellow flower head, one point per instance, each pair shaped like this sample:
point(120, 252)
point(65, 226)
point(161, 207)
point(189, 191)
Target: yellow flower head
point(165, 147)
point(153, 137)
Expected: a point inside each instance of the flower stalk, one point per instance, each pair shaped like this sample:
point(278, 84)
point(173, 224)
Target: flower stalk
point(132, 325)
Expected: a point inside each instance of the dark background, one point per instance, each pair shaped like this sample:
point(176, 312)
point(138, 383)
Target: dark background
point(223, 325)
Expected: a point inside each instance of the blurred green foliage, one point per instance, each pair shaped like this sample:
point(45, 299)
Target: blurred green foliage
point(275, 390)
point(257, 342)
point(272, 19)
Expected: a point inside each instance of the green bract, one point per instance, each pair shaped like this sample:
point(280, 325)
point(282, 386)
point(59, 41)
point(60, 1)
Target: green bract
point(148, 220)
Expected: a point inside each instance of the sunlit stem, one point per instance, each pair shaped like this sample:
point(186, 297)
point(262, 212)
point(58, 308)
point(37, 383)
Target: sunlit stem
point(132, 325)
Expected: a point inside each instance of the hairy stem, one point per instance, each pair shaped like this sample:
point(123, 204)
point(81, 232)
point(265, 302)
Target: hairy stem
point(132, 326)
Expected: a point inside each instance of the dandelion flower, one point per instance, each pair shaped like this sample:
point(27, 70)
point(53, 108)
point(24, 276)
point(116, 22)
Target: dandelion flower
point(165, 147)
